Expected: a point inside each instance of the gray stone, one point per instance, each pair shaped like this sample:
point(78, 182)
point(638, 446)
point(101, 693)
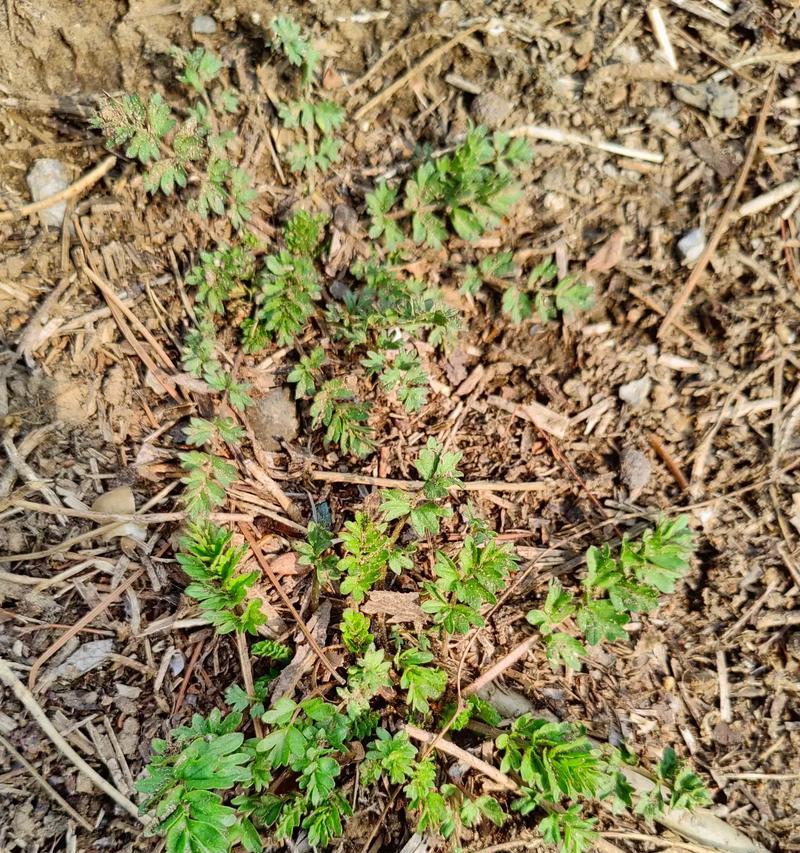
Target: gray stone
point(691, 245)
point(635, 470)
point(345, 218)
point(46, 178)
point(274, 419)
point(490, 109)
point(635, 393)
point(723, 102)
point(716, 98)
point(204, 25)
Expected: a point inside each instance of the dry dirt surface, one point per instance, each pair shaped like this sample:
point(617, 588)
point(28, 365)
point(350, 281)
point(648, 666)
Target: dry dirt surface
point(696, 413)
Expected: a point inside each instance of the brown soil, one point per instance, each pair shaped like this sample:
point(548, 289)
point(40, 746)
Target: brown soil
point(723, 407)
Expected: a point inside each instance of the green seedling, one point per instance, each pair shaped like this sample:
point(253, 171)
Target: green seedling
point(316, 118)
point(466, 192)
point(175, 148)
point(613, 589)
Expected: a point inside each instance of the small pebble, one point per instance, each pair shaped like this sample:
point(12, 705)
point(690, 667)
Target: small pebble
point(177, 662)
point(695, 96)
point(723, 102)
point(450, 9)
point(490, 109)
point(345, 218)
point(46, 178)
point(635, 470)
point(584, 43)
point(691, 245)
point(204, 25)
point(716, 98)
point(635, 393)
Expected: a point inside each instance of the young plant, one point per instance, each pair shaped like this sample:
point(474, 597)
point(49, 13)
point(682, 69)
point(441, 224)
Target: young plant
point(173, 149)
point(185, 782)
point(677, 787)
point(368, 554)
point(613, 589)
point(365, 679)
point(356, 637)
point(316, 553)
point(493, 269)
point(305, 374)
point(423, 683)
point(287, 286)
point(210, 560)
point(206, 482)
point(345, 420)
point(316, 118)
point(468, 190)
point(221, 275)
point(463, 585)
point(439, 473)
point(568, 296)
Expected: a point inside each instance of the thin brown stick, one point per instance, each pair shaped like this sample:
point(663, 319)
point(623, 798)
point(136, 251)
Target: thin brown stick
point(27, 698)
point(664, 455)
point(247, 532)
point(108, 599)
point(176, 705)
point(82, 537)
point(662, 842)
point(700, 343)
point(725, 218)
point(357, 84)
point(416, 485)
point(463, 756)
point(517, 653)
point(114, 302)
point(49, 789)
point(142, 517)
point(84, 182)
point(247, 677)
point(527, 843)
point(426, 60)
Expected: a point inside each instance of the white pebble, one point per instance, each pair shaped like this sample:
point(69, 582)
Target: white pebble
point(177, 662)
point(691, 245)
point(204, 25)
point(46, 178)
point(635, 393)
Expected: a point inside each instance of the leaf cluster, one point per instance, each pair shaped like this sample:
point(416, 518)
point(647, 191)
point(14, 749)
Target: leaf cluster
point(184, 779)
point(344, 419)
point(676, 787)
point(558, 767)
point(468, 190)
point(222, 274)
point(173, 149)
point(467, 582)
point(207, 556)
point(613, 589)
point(567, 296)
point(439, 472)
point(287, 286)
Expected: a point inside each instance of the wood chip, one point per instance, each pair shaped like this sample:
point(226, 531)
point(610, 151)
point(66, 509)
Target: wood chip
point(400, 606)
point(539, 415)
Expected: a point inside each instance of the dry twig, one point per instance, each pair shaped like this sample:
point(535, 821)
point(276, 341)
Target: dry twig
point(462, 755)
point(27, 698)
point(247, 532)
point(110, 598)
point(51, 792)
point(427, 60)
point(90, 178)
